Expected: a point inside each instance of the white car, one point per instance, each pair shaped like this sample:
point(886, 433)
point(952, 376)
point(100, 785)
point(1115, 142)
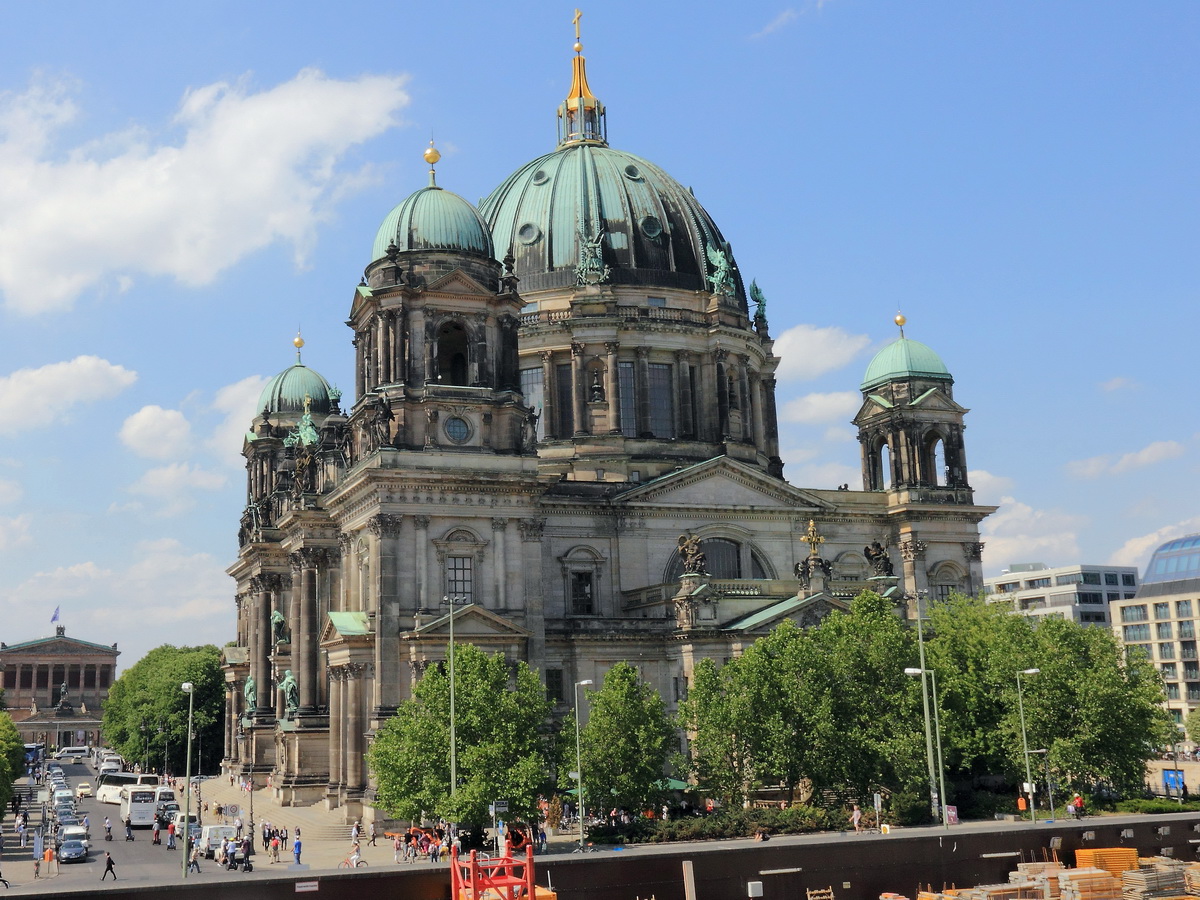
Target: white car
point(83, 789)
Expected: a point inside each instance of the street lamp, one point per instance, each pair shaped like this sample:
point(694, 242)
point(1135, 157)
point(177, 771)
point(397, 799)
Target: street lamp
point(579, 759)
point(190, 690)
point(934, 801)
point(1025, 741)
point(1049, 786)
point(1180, 734)
point(937, 726)
point(453, 602)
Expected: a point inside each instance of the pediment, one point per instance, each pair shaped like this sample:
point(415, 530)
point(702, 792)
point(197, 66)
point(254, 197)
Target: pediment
point(806, 612)
point(458, 282)
point(936, 399)
point(471, 623)
point(723, 482)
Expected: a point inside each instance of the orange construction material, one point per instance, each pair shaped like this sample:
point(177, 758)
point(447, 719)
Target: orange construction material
point(1114, 860)
point(496, 878)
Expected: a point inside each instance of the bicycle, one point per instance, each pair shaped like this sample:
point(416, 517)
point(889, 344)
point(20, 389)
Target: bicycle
point(347, 864)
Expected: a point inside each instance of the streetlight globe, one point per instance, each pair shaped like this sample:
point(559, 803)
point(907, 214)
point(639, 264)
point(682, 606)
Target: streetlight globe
point(1031, 671)
point(913, 671)
point(585, 681)
point(187, 687)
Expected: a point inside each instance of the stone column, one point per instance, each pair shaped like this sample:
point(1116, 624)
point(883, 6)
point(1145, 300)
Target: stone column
point(500, 562)
point(642, 394)
point(386, 607)
point(421, 555)
point(722, 396)
point(747, 404)
point(683, 370)
point(578, 388)
point(230, 723)
point(360, 368)
point(771, 425)
point(613, 387)
point(416, 347)
point(336, 713)
point(304, 649)
point(260, 660)
point(756, 401)
point(534, 587)
point(549, 400)
point(356, 726)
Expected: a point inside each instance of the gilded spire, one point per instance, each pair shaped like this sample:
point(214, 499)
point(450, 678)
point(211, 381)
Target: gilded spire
point(900, 321)
point(432, 155)
point(298, 342)
point(581, 115)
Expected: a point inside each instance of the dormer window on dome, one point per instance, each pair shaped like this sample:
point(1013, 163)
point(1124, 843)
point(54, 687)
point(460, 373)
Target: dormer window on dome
point(581, 117)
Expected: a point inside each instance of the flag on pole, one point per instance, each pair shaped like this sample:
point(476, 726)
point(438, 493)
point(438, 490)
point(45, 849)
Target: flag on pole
point(54, 618)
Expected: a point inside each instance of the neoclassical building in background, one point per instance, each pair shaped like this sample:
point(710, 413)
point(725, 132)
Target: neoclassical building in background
point(551, 391)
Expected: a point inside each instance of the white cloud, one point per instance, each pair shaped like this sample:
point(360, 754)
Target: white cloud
point(249, 170)
point(131, 599)
point(10, 491)
point(1096, 466)
point(1136, 551)
point(14, 532)
point(780, 21)
point(172, 487)
point(157, 433)
point(808, 351)
point(826, 475)
point(814, 408)
point(1116, 384)
point(237, 402)
point(32, 398)
point(988, 488)
point(1019, 533)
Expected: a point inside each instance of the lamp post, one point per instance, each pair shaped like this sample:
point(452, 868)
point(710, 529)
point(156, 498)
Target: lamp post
point(1049, 787)
point(1180, 734)
point(190, 690)
point(453, 602)
point(935, 802)
point(579, 759)
point(1025, 741)
point(937, 728)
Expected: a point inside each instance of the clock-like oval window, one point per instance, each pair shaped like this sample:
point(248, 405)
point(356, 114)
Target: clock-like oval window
point(457, 429)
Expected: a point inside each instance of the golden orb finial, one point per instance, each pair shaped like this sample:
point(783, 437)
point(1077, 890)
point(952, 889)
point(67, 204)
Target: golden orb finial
point(431, 153)
point(900, 320)
point(297, 341)
point(578, 47)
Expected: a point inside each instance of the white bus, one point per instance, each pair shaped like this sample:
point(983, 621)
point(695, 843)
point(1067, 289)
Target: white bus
point(108, 785)
point(137, 804)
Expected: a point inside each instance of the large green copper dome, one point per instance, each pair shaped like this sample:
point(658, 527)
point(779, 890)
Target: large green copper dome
point(652, 231)
point(903, 359)
point(434, 219)
point(285, 392)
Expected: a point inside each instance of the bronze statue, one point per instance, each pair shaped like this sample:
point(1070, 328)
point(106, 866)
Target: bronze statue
point(249, 693)
point(291, 691)
point(694, 560)
point(279, 629)
point(879, 559)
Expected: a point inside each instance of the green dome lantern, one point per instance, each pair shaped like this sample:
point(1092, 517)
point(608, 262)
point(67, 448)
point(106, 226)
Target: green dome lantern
point(904, 359)
point(288, 391)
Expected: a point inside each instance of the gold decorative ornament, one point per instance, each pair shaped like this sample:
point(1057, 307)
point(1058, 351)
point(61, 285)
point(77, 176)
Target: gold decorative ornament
point(431, 153)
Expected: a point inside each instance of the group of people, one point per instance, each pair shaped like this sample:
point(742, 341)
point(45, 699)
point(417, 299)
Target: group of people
point(275, 841)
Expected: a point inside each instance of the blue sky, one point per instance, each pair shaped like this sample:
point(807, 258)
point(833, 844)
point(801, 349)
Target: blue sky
point(183, 185)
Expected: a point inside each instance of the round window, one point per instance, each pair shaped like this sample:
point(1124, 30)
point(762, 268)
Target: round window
point(540, 177)
point(651, 227)
point(457, 429)
point(633, 173)
point(529, 233)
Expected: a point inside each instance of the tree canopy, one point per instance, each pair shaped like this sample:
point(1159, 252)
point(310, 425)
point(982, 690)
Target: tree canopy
point(146, 711)
point(504, 745)
point(12, 758)
point(625, 744)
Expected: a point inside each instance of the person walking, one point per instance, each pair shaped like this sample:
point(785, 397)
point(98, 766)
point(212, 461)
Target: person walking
point(109, 866)
point(171, 835)
point(107, 829)
point(275, 842)
point(856, 819)
point(296, 849)
point(128, 828)
point(194, 862)
point(374, 835)
point(398, 847)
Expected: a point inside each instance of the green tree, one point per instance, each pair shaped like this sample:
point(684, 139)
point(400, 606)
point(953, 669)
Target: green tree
point(148, 695)
point(12, 758)
point(1191, 726)
point(626, 743)
point(716, 716)
point(504, 750)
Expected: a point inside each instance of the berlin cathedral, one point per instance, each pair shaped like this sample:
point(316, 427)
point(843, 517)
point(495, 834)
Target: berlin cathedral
point(563, 433)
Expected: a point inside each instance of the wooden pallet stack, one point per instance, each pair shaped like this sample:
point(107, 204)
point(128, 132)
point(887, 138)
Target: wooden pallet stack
point(1191, 878)
point(1091, 883)
point(1042, 875)
point(1114, 860)
point(1153, 882)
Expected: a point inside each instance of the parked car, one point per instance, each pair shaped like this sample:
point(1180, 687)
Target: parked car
point(73, 851)
point(73, 833)
point(83, 789)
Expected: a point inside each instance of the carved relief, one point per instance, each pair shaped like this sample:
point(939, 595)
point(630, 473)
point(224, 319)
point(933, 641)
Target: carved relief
point(384, 525)
point(532, 529)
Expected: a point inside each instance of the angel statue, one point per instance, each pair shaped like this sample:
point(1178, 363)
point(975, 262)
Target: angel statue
point(722, 276)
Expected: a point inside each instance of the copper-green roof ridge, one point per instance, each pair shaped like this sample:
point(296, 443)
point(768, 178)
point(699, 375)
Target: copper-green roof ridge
point(434, 219)
point(904, 358)
point(285, 392)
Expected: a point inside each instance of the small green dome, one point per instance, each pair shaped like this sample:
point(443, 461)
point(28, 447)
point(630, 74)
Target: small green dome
point(285, 392)
point(904, 358)
point(434, 219)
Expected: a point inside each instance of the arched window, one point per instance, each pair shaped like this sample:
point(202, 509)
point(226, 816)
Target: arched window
point(452, 353)
point(883, 468)
point(725, 558)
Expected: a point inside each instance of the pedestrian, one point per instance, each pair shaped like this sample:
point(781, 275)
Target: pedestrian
point(354, 832)
point(170, 835)
point(109, 867)
point(296, 849)
point(374, 834)
point(194, 862)
point(237, 823)
point(275, 849)
point(355, 855)
point(128, 829)
point(856, 819)
point(107, 830)
point(156, 836)
point(398, 847)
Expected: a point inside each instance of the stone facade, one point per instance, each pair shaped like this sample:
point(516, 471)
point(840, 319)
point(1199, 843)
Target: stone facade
point(533, 459)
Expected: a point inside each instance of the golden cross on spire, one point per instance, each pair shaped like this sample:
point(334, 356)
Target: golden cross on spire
point(813, 539)
point(575, 22)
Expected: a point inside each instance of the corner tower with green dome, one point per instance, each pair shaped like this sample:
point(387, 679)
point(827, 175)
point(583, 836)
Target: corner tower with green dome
point(637, 343)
